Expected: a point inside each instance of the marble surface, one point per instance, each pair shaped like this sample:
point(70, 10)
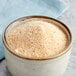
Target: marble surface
point(69, 18)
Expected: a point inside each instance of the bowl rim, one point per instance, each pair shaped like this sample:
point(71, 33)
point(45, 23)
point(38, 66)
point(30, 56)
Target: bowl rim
point(38, 16)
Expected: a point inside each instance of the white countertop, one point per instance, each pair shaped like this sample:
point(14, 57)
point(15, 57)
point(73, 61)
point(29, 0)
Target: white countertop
point(69, 18)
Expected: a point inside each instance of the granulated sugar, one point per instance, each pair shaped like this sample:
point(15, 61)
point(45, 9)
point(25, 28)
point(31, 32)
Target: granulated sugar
point(37, 39)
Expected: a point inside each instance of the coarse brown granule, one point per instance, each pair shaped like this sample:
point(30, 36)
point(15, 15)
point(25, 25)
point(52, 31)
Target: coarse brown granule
point(37, 38)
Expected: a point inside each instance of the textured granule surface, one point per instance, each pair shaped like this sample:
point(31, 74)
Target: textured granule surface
point(37, 39)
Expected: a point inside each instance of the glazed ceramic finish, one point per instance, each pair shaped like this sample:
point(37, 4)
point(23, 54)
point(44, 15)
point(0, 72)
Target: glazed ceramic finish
point(55, 66)
point(24, 67)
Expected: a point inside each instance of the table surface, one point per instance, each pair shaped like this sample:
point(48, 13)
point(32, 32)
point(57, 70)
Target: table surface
point(69, 18)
